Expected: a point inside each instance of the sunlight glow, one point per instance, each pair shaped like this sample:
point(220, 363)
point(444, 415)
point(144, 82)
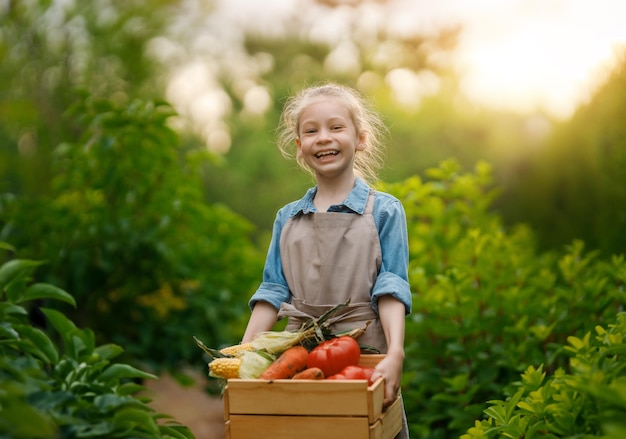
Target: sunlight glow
point(526, 55)
point(515, 55)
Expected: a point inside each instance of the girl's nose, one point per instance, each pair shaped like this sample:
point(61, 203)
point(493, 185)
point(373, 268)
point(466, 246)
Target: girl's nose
point(323, 135)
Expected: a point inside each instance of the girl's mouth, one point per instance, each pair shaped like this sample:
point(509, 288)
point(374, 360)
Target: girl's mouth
point(325, 153)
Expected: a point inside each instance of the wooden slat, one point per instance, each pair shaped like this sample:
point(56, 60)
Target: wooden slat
point(390, 424)
point(301, 427)
point(288, 397)
point(392, 419)
point(226, 406)
point(371, 360)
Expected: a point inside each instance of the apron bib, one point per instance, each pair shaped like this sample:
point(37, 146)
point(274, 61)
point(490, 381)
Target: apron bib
point(328, 258)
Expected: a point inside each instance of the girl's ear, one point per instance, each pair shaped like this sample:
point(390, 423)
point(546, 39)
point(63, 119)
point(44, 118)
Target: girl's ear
point(298, 147)
point(362, 141)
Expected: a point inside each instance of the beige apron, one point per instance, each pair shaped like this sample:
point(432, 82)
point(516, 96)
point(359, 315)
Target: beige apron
point(328, 258)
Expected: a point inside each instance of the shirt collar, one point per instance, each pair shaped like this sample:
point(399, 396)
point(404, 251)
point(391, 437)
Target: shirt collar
point(355, 201)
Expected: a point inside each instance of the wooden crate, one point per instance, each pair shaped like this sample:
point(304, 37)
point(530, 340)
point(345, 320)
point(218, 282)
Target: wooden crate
point(284, 409)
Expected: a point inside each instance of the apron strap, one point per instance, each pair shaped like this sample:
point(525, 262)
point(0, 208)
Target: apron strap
point(301, 312)
point(369, 206)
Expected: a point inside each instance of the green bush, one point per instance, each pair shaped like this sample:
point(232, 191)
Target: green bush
point(127, 230)
point(487, 305)
point(72, 391)
point(586, 400)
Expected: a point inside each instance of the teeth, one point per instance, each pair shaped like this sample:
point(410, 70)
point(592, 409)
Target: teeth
point(322, 154)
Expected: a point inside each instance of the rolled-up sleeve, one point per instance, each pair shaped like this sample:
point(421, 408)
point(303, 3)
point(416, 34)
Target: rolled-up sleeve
point(273, 289)
point(393, 276)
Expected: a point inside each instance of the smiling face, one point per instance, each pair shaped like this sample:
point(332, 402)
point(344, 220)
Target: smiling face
point(328, 139)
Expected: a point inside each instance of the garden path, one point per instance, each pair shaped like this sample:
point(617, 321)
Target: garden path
point(190, 406)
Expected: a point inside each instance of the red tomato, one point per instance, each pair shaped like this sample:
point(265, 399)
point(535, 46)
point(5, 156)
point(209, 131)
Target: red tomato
point(357, 372)
point(333, 355)
point(353, 373)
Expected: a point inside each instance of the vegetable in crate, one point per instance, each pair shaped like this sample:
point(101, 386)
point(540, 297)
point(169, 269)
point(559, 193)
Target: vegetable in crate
point(234, 361)
point(237, 349)
point(353, 373)
point(333, 355)
point(276, 342)
point(224, 368)
point(312, 373)
point(254, 364)
point(290, 362)
point(237, 361)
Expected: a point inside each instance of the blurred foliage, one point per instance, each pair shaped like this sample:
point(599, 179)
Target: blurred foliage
point(48, 50)
point(55, 381)
point(125, 228)
point(486, 304)
point(589, 398)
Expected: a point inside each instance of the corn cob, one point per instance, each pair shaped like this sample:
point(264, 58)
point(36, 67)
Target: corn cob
point(225, 368)
point(237, 349)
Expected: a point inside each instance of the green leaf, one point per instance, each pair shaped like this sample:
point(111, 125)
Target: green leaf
point(533, 378)
point(525, 406)
point(25, 346)
point(13, 270)
point(110, 402)
point(65, 327)
point(8, 332)
point(59, 321)
point(8, 309)
point(130, 388)
point(47, 291)
point(498, 413)
point(41, 341)
point(512, 403)
point(7, 246)
point(177, 432)
point(108, 351)
point(118, 371)
point(577, 343)
point(95, 430)
point(458, 382)
point(132, 419)
point(76, 345)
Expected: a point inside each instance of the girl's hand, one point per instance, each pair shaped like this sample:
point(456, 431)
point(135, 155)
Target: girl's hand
point(391, 312)
point(390, 368)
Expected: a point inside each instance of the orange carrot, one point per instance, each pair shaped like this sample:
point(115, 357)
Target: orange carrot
point(312, 373)
point(290, 362)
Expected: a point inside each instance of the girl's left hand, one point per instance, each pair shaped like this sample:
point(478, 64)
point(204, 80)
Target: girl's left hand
point(390, 369)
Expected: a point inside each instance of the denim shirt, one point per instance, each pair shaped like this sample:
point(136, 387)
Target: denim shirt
point(390, 221)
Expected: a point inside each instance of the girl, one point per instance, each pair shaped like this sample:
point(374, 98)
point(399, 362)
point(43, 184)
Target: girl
point(342, 239)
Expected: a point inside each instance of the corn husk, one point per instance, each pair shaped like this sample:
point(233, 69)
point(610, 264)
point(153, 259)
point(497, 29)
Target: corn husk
point(276, 342)
point(253, 364)
point(212, 353)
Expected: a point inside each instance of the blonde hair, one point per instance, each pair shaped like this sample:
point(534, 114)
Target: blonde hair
point(368, 161)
